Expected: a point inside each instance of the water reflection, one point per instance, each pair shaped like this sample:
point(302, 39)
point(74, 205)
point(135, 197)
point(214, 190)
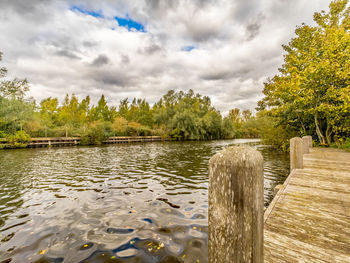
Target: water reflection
point(119, 203)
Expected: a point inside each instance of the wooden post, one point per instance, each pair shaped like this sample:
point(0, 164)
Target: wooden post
point(308, 140)
point(306, 148)
point(236, 206)
point(296, 153)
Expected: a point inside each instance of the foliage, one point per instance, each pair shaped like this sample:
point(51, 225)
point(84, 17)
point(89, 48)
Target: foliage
point(272, 133)
point(342, 143)
point(18, 140)
point(14, 109)
point(119, 126)
point(188, 116)
point(3, 134)
point(96, 133)
point(311, 95)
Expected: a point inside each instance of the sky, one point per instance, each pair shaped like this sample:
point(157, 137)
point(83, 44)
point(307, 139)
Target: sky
point(224, 49)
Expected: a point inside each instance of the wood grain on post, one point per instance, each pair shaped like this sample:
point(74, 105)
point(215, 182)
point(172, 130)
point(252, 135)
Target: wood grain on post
point(236, 206)
point(306, 144)
point(309, 140)
point(296, 153)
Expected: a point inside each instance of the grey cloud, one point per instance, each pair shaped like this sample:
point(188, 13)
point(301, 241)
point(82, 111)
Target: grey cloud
point(215, 75)
point(191, 16)
point(89, 43)
point(112, 78)
point(201, 32)
point(151, 49)
point(34, 11)
point(125, 59)
point(253, 27)
point(243, 10)
point(101, 60)
point(160, 6)
point(67, 53)
point(23, 7)
point(241, 72)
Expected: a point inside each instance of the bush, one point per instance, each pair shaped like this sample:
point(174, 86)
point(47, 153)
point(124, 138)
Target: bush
point(120, 126)
point(32, 127)
point(96, 133)
point(18, 140)
point(133, 129)
point(342, 143)
point(274, 134)
point(3, 134)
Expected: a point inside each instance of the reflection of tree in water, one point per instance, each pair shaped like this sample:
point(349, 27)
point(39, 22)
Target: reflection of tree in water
point(276, 169)
point(187, 160)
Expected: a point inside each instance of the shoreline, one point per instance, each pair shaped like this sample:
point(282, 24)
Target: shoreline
point(43, 142)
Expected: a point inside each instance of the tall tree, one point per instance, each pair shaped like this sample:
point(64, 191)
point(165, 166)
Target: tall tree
point(48, 113)
point(311, 93)
point(14, 108)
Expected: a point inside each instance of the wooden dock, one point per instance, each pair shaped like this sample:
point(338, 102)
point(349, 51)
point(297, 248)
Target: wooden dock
point(309, 218)
point(71, 141)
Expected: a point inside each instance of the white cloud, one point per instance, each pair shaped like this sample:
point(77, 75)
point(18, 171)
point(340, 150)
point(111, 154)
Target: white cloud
point(238, 45)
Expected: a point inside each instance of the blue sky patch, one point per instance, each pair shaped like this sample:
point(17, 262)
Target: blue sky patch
point(130, 24)
point(188, 48)
point(93, 13)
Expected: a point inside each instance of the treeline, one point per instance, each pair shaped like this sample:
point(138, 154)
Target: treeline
point(311, 93)
point(180, 115)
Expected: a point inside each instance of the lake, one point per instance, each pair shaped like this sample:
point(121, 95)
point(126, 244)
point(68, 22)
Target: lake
point(145, 202)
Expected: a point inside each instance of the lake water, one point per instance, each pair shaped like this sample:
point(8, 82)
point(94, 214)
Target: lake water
point(118, 203)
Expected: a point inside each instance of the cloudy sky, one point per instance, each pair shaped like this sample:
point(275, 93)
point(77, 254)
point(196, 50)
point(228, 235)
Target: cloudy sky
point(225, 49)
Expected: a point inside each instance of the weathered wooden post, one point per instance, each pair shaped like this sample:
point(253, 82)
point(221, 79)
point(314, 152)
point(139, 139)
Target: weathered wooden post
point(296, 153)
point(236, 206)
point(308, 141)
point(305, 144)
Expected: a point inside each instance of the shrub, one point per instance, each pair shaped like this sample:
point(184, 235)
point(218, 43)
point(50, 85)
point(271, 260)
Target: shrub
point(120, 126)
point(133, 129)
point(342, 143)
point(96, 133)
point(3, 134)
point(18, 140)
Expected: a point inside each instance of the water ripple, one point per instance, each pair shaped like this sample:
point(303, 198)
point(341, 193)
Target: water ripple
point(119, 203)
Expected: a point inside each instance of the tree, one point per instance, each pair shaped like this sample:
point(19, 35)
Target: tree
point(48, 113)
point(311, 93)
point(69, 113)
point(102, 111)
point(14, 108)
point(84, 109)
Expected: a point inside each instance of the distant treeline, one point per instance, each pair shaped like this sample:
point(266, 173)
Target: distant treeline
point(181, 115)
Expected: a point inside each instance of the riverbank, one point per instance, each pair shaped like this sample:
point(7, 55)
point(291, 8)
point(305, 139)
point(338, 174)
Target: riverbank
point(73, 141)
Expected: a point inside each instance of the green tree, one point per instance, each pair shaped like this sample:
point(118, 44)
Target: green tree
point(69, 113)
point(310, 95)
point(15, 110)
point(102, 111)
point(48, 113)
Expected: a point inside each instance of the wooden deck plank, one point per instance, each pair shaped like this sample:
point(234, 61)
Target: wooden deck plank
point(280, 250)
point(309, 219)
